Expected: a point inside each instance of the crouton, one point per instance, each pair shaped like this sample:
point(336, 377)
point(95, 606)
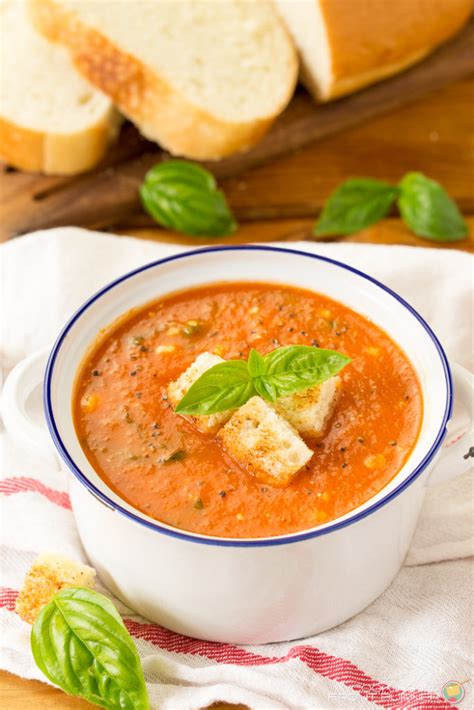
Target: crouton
point(264, 443)
point(48, 575)
point(309, 411)
point(207, 424)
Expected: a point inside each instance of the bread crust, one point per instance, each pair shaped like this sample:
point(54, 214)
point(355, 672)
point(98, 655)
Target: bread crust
point(160, 111)
point(56, 153)
point(368, 45)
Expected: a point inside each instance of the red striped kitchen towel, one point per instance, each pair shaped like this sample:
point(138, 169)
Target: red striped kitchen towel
point(398, 653)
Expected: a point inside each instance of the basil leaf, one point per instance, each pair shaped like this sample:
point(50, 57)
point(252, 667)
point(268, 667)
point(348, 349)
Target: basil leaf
point(257, 369)
point(428, 210)
point(356, 204)
point(227, 385)
point(297, 367)
point(184, 197)
point(80, 643)
point(231, 384)
point(256, 364)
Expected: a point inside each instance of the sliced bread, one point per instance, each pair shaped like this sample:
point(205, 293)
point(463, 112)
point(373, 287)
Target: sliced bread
point(203, 79)
point(347, 44)
point(51, 119)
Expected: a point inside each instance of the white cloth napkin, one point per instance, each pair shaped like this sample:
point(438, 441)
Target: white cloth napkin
point(398, 653)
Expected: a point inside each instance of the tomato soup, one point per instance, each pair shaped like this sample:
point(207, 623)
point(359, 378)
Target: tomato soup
point(160, 464)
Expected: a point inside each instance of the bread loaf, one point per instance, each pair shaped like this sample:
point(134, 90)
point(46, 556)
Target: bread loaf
point(347, 44)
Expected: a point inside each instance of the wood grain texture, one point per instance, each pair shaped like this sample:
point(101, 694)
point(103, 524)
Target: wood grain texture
point(108, 195)
point(18, 694)
point(435, 135)
point(388, 231)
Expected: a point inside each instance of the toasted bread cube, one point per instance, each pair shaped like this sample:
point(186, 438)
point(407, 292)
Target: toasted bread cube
point(207, 424)
point(309, 411)
point(48, 575)
point(261, 441)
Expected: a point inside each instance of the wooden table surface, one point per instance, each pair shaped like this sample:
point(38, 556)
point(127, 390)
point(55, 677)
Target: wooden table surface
point(280, 201)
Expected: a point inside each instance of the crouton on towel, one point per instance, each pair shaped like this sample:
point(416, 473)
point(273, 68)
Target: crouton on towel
point(47, 576)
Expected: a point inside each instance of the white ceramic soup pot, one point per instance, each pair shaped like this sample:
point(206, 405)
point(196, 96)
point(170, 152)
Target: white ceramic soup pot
point(247, 590)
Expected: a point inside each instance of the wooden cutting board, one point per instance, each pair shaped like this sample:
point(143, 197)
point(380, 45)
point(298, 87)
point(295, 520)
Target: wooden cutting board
point(107, 196)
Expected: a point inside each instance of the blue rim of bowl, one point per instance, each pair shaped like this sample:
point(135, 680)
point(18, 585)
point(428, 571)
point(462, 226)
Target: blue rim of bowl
point(235, 542)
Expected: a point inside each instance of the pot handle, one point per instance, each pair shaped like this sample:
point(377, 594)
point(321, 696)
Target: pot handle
point(17, 417)
point(457, 455)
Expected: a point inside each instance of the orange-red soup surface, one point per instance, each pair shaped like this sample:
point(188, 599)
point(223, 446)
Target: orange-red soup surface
point(160, 464)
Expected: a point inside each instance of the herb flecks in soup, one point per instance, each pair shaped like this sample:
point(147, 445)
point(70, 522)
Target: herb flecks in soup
point(161, 464)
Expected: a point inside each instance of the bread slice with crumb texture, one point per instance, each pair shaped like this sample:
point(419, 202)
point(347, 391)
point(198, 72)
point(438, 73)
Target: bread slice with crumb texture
point(51, 119)
point(264, 443)
point(203, 79)
point(47, 576)
point(207, 424)
point(310, 410)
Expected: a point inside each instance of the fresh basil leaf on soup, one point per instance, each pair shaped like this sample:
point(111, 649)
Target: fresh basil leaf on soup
point(298, 367)
point(224, 386)
point(283, 371)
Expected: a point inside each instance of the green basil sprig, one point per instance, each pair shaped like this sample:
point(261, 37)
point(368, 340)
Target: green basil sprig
point(80, 643)
point(428, 210)
point(424, 206)
point(281, 372)
point(183, 196)
point(356, 204)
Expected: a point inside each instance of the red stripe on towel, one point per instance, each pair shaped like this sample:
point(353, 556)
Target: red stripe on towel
point(8, 598)
point(21, 484)
point(331, 667)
